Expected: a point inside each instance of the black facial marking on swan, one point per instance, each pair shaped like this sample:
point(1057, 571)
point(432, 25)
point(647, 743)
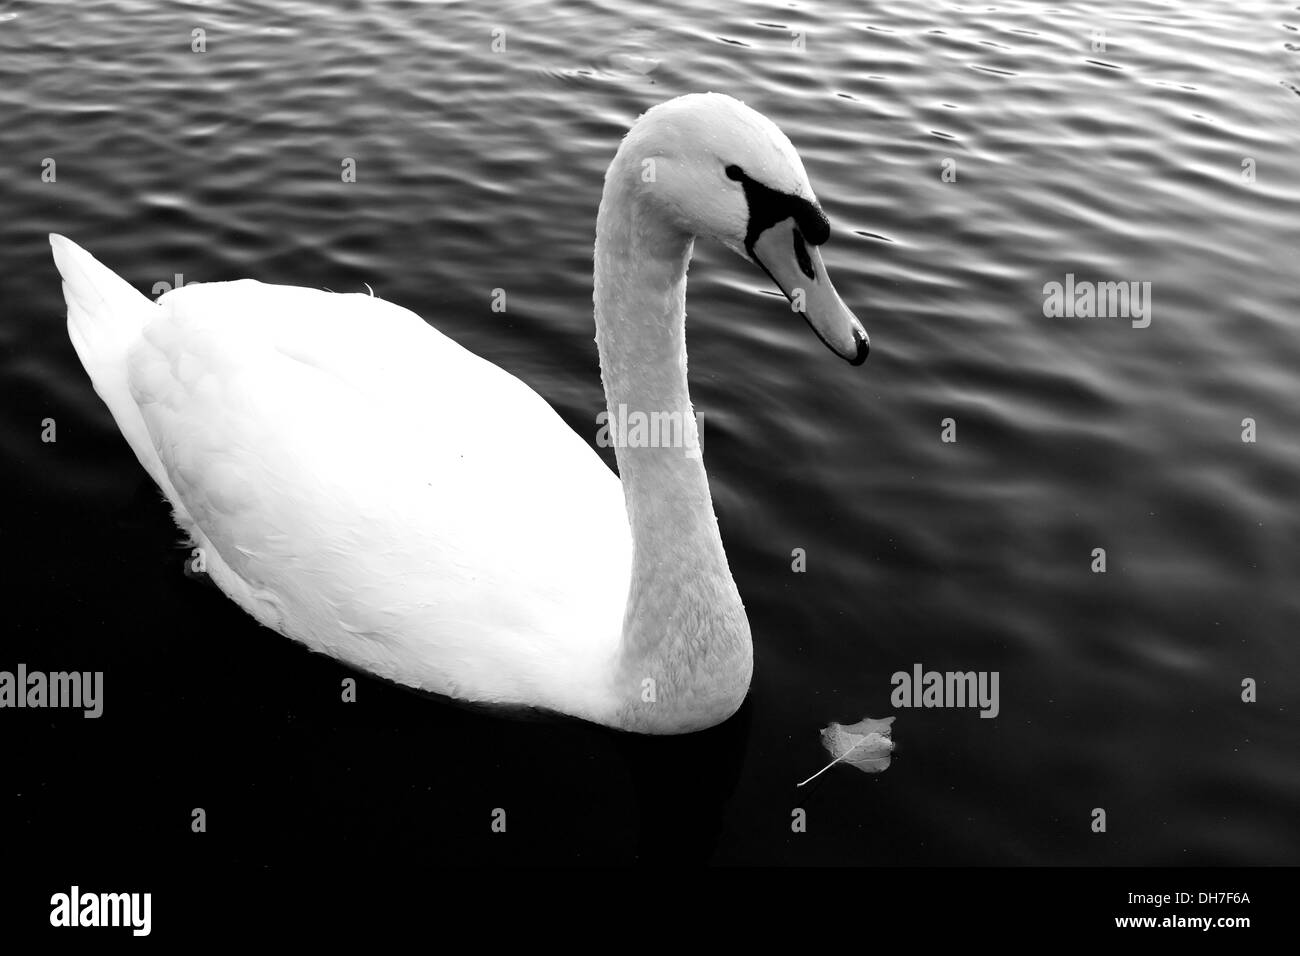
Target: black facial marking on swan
point(769, 206)
point(801, 254)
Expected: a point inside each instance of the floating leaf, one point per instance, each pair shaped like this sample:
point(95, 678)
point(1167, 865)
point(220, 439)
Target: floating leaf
point(865, 745)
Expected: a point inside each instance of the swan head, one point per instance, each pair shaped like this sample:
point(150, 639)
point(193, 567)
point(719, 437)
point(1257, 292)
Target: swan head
point(719, 169)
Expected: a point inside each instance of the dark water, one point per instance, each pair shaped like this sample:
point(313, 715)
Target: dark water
point(480, 170)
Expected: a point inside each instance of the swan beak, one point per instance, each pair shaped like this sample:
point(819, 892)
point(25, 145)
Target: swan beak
point(796, 267)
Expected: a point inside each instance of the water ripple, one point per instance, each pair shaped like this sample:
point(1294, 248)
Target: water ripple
point(1161, 152)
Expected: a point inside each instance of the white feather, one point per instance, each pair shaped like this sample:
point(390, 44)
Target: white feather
point(365, 485)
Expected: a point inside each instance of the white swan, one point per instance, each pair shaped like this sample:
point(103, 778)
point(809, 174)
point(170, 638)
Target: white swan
point(362, 484)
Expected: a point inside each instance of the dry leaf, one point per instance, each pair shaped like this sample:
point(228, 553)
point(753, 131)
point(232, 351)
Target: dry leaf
point(865, 745)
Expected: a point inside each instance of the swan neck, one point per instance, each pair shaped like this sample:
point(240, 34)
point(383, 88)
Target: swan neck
point(685, 656)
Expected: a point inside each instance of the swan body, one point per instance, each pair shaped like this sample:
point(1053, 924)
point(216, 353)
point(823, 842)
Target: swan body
point(361, 483)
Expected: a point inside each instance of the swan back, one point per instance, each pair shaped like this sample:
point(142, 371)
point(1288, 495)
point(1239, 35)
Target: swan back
point(363, 484)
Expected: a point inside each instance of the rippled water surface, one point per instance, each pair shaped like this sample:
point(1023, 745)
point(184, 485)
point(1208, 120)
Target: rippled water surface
point(1119, 155)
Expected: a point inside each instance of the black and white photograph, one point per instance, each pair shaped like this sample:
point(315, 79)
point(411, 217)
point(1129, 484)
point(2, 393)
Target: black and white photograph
point(702, 441)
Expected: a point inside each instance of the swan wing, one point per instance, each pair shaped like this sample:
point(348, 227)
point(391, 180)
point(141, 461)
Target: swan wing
point(373, 489)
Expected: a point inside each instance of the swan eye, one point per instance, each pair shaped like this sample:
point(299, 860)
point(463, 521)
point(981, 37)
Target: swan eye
point(735, 172)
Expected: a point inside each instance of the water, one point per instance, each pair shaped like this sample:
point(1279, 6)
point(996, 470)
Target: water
point(479, 170)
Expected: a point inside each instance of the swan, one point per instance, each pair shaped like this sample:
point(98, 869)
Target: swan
point(361, 483)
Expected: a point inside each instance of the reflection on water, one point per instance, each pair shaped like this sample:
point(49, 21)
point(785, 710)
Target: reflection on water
point(966, 156)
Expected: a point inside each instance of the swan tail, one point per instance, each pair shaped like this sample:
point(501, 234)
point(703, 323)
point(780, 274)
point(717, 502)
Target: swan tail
point(106, 316)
